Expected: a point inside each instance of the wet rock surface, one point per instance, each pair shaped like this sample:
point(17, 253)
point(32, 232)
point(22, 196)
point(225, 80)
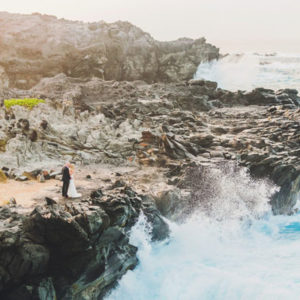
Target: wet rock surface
point(74, 251)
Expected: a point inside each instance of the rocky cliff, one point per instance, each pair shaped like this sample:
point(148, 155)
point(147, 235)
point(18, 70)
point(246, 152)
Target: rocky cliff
point(36, 46)
point(77, 250)
point(114, 95)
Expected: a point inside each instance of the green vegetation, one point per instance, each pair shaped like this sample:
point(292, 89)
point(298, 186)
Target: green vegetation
point(27, 102)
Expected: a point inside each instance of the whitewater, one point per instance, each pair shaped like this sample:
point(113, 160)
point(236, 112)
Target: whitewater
point(247, 71)
point(203, 260)
point(238, 249)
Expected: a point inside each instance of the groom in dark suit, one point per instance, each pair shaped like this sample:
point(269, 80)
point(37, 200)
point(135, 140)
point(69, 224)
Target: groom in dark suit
point(66, 179)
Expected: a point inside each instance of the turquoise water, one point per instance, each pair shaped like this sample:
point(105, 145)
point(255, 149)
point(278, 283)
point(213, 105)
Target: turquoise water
point(206, 260)
point(247, 254)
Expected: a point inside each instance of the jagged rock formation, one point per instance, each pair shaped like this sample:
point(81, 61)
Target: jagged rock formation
point(185, 128)
point(37, 46)
point(74, 251)
point(165, 125)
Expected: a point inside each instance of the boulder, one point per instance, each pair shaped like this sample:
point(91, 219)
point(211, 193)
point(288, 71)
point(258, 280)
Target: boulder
point(21, 178)
point(54, 174)
point(97, 194)
point(169, 203)
point(32, 174)
point(202, 139)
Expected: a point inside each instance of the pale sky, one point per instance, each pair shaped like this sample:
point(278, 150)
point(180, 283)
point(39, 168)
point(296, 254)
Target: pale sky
point(232, 25)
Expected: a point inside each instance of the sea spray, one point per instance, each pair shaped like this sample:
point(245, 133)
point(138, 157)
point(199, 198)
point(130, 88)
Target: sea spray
point(248, 71)
point(244, 256)
point(226, 192)
point(208, 260)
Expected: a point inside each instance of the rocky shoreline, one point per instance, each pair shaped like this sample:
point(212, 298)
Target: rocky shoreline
point(127, 100)
point(175, 128)
point(160, 125)
point(174, 133)
point(74, 251)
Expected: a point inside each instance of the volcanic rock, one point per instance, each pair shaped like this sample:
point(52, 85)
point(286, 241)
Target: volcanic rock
point(38, 46)
point(71, 251)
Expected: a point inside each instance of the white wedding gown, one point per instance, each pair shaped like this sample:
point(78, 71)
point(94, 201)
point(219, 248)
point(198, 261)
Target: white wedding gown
point(72, 192)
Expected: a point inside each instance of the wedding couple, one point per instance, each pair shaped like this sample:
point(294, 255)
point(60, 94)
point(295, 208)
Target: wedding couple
point(69, 188)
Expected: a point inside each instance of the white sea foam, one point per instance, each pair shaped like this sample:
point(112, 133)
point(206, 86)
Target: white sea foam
point(205, 260)
point(236, 258)
point(238, 250)
point(248, 71)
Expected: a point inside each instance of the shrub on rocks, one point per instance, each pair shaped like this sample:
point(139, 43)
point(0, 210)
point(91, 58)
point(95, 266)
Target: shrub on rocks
point(27, 102)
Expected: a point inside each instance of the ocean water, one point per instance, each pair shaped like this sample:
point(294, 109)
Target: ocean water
point(243, 253)
point(238, 249)
point(248, 71)
point(204, 260)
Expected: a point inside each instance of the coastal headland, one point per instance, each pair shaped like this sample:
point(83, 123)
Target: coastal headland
point(147, 141)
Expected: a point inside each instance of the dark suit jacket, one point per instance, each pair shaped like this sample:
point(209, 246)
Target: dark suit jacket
point(66, 174)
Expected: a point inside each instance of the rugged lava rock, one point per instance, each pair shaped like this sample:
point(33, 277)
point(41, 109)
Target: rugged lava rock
point(37, 46)
point(74, 251)
point(163, 125)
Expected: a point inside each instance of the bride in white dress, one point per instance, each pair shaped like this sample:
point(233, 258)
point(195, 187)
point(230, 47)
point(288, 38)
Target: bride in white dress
point(72, 192)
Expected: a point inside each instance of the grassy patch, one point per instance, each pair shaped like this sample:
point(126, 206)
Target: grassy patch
point(27, 102)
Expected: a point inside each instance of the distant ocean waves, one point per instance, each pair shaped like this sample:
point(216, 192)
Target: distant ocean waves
point(249, 71)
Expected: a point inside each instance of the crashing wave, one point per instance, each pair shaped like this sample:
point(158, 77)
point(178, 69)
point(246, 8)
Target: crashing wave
point(249, 71)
